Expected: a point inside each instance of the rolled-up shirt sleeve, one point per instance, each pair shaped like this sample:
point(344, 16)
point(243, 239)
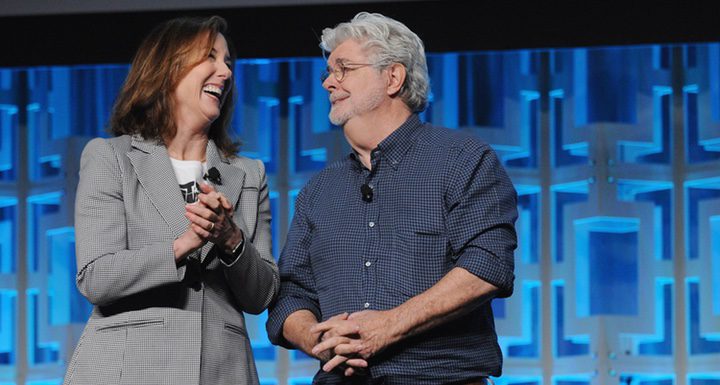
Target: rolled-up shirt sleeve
point(481, 213)
point(297, 289)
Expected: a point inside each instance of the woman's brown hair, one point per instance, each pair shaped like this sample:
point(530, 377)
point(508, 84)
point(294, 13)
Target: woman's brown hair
point(145, 104)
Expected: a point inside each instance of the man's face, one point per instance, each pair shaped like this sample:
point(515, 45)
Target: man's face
point(362, 88)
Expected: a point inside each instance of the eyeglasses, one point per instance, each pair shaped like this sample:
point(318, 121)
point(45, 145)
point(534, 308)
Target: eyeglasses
point(341, 69)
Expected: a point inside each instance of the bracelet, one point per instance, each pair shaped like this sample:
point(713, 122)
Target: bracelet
point(237, 250)
point(229, 259)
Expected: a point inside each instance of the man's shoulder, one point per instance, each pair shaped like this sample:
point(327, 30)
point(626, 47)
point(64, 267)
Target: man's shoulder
point(444, 137)
point(333, 171)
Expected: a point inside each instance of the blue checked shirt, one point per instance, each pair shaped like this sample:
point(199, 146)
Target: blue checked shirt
point(440, 199)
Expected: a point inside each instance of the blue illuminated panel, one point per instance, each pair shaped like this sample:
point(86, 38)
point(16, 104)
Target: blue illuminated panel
point(8, 141)
point(257, 113)
point(659, 193)
point(263, 350)
point(531, 316)
point(576, 345)
point(565, 195)
point(298, 355)
point(313, 137)
point(657, 148)
point(65, 302)
point(55, 111)
point(644, 379)
point(39, 208)
point(699, 344)
point(564, 153)
point(705, 380)
point(56, 381)
point(9, 82)
point(443, 107)
point(528, 207)
point(481, 90)
point(8, 317)
point(275, 221)
point(563, 381)
point(300, 381)
point(611, 86)
point(8, 220)
point(517, 380)
point(39, 351)
point(697, 193)
point(613, 270)
point(702, 103)
point(662, 343)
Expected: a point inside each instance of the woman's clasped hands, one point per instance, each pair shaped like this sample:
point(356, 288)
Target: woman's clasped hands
point(211, 220)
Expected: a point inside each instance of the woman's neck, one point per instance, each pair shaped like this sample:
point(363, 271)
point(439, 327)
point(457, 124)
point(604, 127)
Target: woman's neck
point(187, 147)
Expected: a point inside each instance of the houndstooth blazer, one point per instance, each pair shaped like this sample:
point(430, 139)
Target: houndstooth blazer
point(154, 322)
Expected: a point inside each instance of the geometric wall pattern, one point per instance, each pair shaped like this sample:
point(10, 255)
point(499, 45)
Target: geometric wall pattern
point(615, 153)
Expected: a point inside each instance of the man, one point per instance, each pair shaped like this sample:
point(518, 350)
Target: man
point(399, 248)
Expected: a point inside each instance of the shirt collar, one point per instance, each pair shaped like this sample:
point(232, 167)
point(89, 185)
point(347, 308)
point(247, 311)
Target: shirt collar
point(394, 146)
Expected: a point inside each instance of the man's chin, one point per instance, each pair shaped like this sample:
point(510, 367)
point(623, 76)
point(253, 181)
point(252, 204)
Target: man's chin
point(338, 120)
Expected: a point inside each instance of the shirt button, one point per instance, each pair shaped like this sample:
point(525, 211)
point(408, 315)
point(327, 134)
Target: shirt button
point(371, 224)
point(368, 263)
point(366, 305)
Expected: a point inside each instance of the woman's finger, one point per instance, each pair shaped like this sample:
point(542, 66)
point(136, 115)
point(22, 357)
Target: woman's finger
point(201, 232)
point(203, 212)
point(225, 203)
point(203, 223)
point(212, 201)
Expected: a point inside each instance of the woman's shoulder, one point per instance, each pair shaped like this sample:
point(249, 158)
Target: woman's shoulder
point(115, 144)
point(248, 164)
point(111, 152)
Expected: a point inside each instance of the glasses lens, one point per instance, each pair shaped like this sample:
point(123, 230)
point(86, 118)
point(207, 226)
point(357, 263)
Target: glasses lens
point(339, 72)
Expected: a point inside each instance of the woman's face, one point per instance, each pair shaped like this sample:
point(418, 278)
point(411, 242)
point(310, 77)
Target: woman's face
point(202, 92)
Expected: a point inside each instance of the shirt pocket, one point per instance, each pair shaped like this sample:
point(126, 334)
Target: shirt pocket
point(419, 260)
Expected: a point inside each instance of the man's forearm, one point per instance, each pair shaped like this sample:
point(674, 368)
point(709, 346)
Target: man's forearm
point(457, 293)
point(296, 330)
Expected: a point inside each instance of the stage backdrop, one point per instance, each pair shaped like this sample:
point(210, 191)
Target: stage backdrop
point(615, 153)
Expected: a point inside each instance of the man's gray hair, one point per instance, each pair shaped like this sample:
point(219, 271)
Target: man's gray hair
point(386, 41)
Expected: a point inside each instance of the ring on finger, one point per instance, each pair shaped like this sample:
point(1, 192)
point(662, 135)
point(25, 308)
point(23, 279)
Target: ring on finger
point(212, 226)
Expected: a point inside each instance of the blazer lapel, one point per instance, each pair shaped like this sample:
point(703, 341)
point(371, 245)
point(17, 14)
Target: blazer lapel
point(155, 173)
point(232, 180)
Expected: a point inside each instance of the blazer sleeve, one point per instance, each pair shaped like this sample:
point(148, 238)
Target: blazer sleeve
point(107, 269)
point(253, 277)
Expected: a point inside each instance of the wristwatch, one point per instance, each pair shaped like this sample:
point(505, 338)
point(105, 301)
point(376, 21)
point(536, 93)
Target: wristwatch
point(229, 259)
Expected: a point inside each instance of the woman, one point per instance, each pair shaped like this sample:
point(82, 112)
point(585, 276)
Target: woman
point(170, 262)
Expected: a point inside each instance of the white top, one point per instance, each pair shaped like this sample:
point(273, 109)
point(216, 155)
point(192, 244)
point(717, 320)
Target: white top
point(189, 174)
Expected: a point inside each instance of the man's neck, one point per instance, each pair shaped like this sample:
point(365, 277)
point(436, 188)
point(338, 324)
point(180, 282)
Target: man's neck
point(365, 133)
